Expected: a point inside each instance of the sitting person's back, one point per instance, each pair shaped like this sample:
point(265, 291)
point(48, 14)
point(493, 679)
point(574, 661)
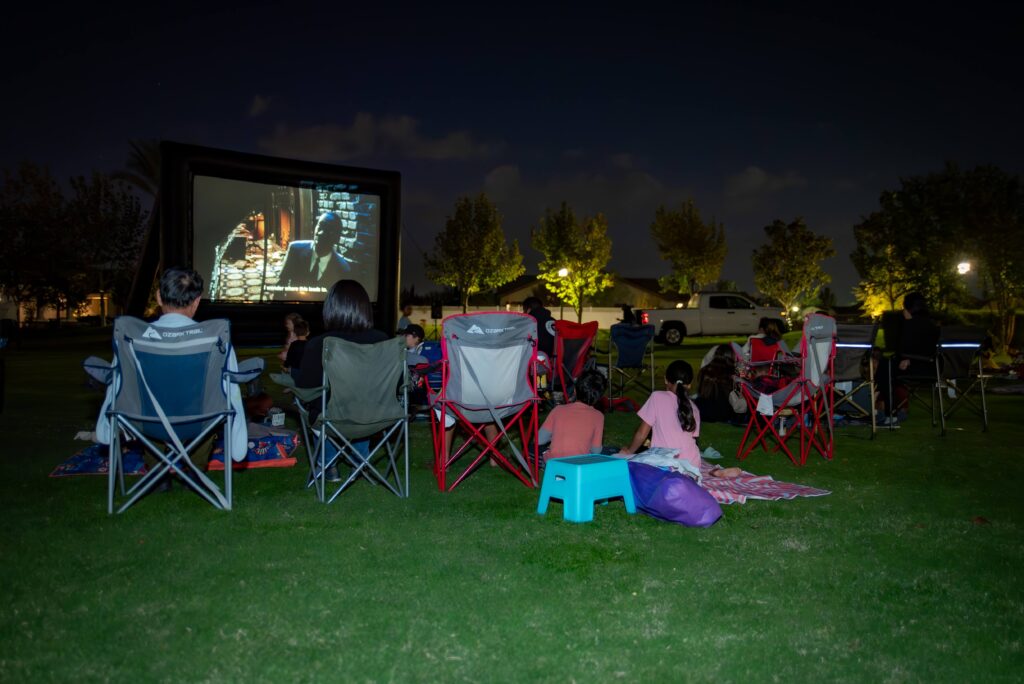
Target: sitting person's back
point(715, 384)
point(577, 428)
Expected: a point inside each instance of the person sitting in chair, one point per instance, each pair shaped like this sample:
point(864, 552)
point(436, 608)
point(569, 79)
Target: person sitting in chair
point(178, 297)
point(315, 263)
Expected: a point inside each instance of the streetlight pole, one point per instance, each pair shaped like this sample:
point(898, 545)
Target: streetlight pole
point(562, 273)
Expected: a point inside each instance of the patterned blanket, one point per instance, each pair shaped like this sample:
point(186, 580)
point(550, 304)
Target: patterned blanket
point(750, 486)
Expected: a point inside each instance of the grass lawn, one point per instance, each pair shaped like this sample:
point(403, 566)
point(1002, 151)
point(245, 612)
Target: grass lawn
point(909, 571)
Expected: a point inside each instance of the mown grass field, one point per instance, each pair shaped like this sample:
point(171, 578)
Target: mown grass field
point(909, 571)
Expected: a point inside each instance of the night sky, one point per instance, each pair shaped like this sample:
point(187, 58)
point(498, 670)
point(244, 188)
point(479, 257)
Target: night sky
point(756, 112)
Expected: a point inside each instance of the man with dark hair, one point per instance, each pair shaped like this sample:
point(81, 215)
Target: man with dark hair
point(178, 297)
point(404, 322)
point(314, 265)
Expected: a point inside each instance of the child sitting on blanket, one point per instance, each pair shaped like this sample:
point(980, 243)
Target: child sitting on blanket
point(576, 428)
point(673, 422)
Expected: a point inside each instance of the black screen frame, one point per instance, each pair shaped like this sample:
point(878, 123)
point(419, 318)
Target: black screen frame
point(262, 322)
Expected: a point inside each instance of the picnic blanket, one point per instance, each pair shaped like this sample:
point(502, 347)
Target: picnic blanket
point(750, 486)
point(94, 460)
point(268, 448)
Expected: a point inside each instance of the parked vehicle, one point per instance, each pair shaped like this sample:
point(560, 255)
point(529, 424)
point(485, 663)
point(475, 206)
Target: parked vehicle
point(711, 313)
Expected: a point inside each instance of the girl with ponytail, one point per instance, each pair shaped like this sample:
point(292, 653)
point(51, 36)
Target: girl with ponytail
point(672, 421)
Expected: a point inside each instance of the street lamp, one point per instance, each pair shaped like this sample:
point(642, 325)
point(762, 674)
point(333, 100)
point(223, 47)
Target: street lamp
point(963, 268)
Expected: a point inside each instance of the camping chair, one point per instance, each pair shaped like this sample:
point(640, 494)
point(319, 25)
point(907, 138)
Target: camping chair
point(572, 352)
point(634, 356)
point(855, 344)
point(171, 390)
point(803, 406)
point(489, 375)
point(365, 396)
point(958, 373)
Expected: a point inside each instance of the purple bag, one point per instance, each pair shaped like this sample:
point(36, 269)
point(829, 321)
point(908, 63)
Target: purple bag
point(672, 497)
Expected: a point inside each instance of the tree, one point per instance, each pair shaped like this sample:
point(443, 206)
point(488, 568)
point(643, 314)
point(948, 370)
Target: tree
point(110, 227)
point(932, 222)
point(883, 272)
point(788, 266)
point(993, 216)
point(142, 171)
point(575, 254)
point(33, 235)
point(695, 250)
point(471, 253)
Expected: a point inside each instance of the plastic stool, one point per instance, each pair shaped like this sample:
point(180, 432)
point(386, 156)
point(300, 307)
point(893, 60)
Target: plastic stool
point(579, 481)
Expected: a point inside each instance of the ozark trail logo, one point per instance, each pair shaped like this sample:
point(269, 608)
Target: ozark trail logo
point(152, 334)
point(475, 330)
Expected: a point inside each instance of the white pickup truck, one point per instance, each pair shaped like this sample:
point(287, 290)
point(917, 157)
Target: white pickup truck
point(710, 313)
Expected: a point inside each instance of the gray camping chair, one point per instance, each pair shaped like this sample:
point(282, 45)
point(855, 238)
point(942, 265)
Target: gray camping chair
point(366, 396)
point(489, 376)
point(303, 398)
point(854, 345)
point(171, 389)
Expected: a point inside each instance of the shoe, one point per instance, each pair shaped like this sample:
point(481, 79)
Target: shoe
point(889, 420)
point(332, 475)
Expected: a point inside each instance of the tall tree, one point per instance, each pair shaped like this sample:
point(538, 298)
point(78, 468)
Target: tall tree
point(884, 278)
point(575, 255)
point(993, 216)
point(696, 250)
point(33, 234)
point(788, 266)
point(471, 253)
point(932, 222)
point(142, 171)
point(110, 227)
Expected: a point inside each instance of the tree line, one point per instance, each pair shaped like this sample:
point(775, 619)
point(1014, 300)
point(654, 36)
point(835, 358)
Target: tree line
point(912, 242)
point(64, 242)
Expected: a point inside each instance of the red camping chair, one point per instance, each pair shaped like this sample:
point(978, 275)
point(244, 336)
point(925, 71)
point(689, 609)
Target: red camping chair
point(488, 376)
point(804, 406)
point(572, 350)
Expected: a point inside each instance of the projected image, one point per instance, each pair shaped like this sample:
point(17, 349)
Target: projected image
point(257, 242)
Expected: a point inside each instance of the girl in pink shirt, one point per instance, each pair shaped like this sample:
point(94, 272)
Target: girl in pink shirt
point(672, 421)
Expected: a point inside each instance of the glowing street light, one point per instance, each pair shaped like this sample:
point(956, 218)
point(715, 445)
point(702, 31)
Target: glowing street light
point(563, 272)
point(963, 268)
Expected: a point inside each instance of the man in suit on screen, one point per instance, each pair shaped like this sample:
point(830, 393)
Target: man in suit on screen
point(313, 264)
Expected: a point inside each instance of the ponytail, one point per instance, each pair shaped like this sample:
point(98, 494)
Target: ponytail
point(680, 374)
point(685, 408)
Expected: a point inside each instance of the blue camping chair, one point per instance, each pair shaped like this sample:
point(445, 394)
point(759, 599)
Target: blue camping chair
point(170, 388)
point(634, 357)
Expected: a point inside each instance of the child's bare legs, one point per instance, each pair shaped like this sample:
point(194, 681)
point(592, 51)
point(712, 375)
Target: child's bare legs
point(726, 473)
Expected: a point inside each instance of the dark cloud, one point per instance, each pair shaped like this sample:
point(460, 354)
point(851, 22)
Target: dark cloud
point(368, 135)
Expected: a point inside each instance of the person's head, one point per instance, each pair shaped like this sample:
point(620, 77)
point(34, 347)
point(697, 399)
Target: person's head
point(327, 233)
point(301, 329)
point(290, 320)
point(678, 377)
point(723, 357)
point(180, 290)
point(914, 305)
point(347, 307)
point(413, 335)
point(407, 310)
point(770, 328)
point(531, 303)
point(590, 387)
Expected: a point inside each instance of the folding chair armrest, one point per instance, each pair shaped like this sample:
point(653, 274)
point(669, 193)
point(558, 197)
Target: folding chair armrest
point(248, 370)
point(98, 369)
point(283, 379)
point(307, 394)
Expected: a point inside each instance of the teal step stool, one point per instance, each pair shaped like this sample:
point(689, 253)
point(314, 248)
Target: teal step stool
point(579, 481)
